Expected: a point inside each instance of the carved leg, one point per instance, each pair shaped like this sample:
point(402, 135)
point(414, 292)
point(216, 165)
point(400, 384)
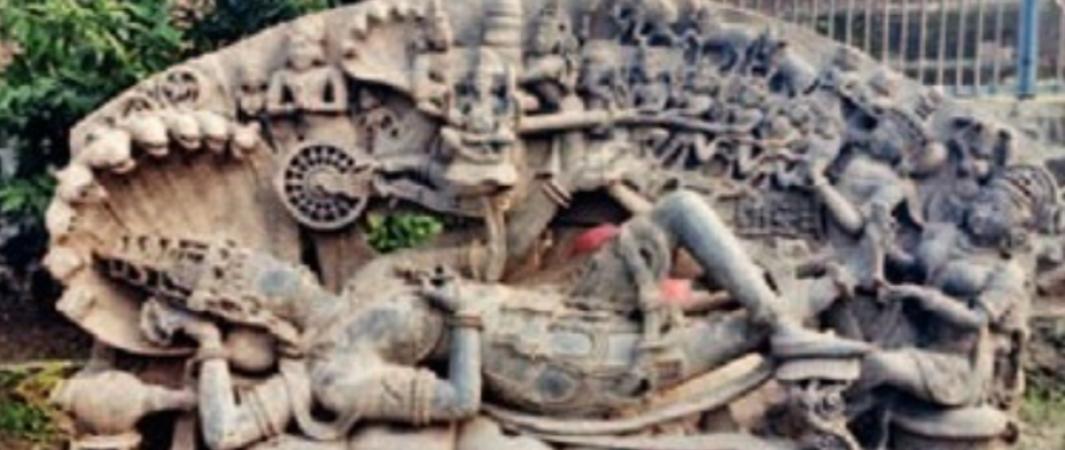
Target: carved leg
point(690, 222)
point(941, 379)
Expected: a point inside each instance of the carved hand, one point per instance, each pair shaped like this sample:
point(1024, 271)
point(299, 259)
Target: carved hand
point(205, 332)
point(442, 288)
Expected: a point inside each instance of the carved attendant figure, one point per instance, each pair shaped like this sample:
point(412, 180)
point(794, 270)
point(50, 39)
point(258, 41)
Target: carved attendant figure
point(308, 85)
point(977, 292)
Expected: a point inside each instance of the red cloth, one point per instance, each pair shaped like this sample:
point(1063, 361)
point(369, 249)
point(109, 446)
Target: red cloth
point(676, 291)
point(594, 239)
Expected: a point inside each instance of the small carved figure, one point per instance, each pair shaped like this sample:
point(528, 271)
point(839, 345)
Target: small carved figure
point(651, 81)
point(307, 84)
point(602, 82)
point(862, 205)
point(981, 148)
point(647, 22)
point(253, 86)
point(769, 57)
point(710, 37)
point(480, 138)
point(431, 85)
point(552, 62)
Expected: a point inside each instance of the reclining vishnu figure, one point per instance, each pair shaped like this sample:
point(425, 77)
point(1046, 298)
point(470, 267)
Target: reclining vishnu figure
point(549, 350)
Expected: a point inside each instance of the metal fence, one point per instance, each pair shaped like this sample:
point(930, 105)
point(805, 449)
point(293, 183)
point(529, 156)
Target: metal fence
point(969, 47)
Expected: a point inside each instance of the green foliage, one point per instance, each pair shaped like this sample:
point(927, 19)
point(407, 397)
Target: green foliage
point(75, 54)
point(25, 413)
point(26, 196)
point(1043, 412)
point(401, 231)
point(62, 59)
point(232, 20)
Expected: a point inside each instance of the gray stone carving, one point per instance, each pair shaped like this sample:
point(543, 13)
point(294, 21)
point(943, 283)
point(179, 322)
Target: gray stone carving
point(669, 225)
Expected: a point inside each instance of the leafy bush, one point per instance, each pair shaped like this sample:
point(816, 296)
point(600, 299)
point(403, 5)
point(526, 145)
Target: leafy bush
point(401, 231)
point(25, 412)
point(74, 55)
point(232, 20)
point(62, 59)
point(26, 196)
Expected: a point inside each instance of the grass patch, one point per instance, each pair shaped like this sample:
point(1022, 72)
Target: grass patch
point(25, 413)
point(1043, 413)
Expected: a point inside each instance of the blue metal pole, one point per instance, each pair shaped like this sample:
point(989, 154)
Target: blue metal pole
point(1028, 49)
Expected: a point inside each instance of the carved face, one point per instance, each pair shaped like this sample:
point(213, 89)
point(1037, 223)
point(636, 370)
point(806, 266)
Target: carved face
point(78, 185)
point(150, 134)
point(186, 131)
point(483, 102)
point(547, 35)
point(214, 130)
point(305, 52)
point(252, 97)
point(993, 216)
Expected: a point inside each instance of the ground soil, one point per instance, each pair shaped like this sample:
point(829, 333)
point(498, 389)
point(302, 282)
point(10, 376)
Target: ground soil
point(35, 331)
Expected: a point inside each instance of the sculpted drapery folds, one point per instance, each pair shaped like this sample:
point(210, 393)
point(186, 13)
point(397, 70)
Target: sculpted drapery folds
point(657, 214)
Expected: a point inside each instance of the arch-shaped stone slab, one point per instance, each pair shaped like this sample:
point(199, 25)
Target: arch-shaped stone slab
point(524, 124)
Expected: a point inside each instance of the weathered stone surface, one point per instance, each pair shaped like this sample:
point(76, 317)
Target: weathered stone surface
point(876, 244)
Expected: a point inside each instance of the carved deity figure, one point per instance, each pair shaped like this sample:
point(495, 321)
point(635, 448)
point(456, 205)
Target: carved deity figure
point(308, 84)
point(552, 62)
point(602, 81)
point(365, 349)
point(480, 138)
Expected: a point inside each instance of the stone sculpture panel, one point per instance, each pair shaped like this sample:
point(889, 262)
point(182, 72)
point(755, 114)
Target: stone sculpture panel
point(659, 213)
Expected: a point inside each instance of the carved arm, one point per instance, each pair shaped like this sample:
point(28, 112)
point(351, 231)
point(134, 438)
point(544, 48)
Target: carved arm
point(847, 216)
point(460, 396)
point(940, 304)
point(226, 424)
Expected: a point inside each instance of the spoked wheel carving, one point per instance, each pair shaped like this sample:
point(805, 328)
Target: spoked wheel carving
point(326, 187)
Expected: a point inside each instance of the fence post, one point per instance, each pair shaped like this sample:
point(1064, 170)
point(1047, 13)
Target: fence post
point(1028, 49)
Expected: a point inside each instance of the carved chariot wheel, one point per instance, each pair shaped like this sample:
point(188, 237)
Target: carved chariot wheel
point(326, 187)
